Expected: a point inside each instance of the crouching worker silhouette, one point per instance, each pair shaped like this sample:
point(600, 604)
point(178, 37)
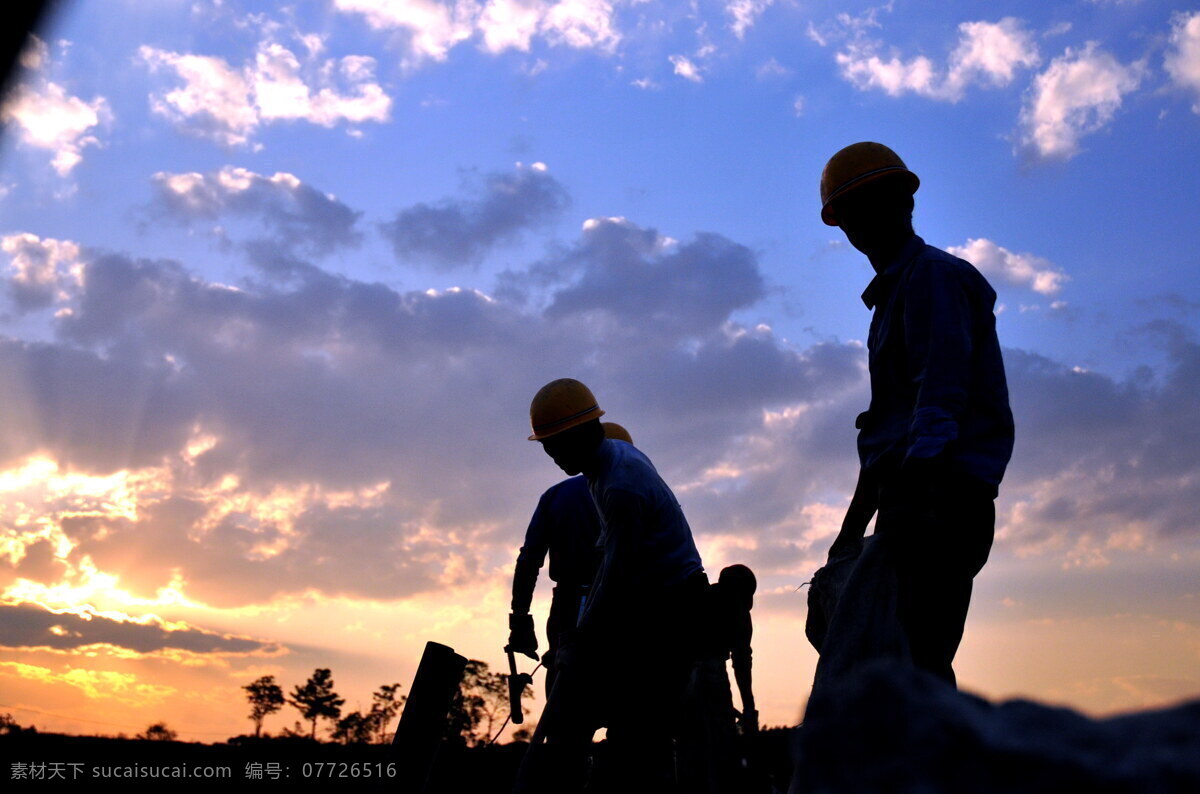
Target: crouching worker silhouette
point(564, 526)
point(626, 665)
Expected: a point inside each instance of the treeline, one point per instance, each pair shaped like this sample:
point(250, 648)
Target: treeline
point(477, 713)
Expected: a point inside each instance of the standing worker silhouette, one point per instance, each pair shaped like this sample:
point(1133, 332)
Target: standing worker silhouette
point(938, 434)
point(564, 526)
point(626, 665)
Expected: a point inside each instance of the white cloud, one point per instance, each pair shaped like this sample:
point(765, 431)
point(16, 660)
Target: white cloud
point(510, 24)
point(582, 24)
point(772, 68)
point(816, 35)
point(987, 53)
point(228, 104)
point(434, 28)
point(41, 270)
point(745, 13)
point(798, 105)
point(1022, 270)
point(1182, 61)
point(990, 52)
point(1078, 94)
point(281, 93)
point(685, 68)
point(50, 118)
point(215, 100)
point(866, 70)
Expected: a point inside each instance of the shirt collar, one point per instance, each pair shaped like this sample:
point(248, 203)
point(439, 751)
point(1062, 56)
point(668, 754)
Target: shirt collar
point(881, 285)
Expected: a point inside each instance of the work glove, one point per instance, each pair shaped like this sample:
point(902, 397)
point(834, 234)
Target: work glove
point(749, 721)
point(521, 637)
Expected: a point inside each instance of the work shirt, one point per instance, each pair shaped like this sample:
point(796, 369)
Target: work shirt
point(937, 378)
point(647, 545)
point(564, 525)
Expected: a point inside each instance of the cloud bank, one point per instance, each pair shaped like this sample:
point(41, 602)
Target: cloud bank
point(228, 104)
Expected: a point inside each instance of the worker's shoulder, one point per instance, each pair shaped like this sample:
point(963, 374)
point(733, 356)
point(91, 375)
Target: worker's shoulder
point(567, 487)
point(934, 264)
point(627, 468)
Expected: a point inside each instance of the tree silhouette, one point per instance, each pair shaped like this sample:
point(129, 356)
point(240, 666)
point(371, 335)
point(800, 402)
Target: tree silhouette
point(480, 705)
point(359, 728)
point(265, 698)
point(385, 704)
point(158, 732)
point(354, 728)
point(316, 699)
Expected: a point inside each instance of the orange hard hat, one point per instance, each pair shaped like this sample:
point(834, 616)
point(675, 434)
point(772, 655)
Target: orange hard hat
point(560, 405)
point(857, 165)
point(614, 430)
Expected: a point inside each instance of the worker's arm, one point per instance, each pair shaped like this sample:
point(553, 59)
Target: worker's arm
point(742, 663)
point(522, 638)
point(860, 512)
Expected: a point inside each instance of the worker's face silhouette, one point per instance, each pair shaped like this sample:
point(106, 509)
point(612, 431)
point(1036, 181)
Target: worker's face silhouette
point(876, 217)
point(573, 449)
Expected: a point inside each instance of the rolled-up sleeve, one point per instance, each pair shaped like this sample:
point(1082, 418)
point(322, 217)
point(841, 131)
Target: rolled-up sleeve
point(531, 557)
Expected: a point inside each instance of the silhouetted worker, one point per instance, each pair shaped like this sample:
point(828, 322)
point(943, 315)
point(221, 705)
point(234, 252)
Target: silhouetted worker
point(729, 603)
point(726, 631)
point(626, 665)
point(938, 434)
point(566, 526)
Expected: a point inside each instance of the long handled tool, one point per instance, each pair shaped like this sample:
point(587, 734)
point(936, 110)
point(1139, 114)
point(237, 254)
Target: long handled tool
point(516, 687)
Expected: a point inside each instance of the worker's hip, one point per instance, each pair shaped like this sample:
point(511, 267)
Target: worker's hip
point(949, 526)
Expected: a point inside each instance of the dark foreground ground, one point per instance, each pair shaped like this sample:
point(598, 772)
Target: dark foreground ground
point(882, 730)
point(33, 762)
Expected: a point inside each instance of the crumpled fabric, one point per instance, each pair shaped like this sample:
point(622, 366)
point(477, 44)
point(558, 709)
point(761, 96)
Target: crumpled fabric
point(853, 615)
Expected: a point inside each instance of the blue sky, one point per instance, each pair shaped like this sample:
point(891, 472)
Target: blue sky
point(280, 281)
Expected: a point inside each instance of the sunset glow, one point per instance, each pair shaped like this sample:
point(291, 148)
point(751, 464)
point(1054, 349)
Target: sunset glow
point(277, 284)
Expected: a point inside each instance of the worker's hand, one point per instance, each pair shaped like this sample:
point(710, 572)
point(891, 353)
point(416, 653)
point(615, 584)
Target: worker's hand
point(521, 637)
point(749, 721)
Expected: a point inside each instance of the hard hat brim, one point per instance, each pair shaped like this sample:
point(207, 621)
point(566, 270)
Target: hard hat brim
point(890, 172)
point(542, 432)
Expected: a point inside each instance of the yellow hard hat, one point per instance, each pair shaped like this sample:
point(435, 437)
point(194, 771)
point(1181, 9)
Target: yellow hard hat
point(560, 405)
point(857, 165)
point(614, 430)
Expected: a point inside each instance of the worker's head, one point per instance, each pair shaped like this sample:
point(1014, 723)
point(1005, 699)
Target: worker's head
point(868, 191)
point(616, 432)
point(739, 582)
point(565, 417)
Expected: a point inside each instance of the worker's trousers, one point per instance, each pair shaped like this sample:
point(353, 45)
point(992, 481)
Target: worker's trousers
point(634, 684)
point(936, 548)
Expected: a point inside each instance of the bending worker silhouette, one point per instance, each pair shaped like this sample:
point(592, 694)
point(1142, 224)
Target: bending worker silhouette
point(564, 526)
point(713, 758)
point(938, 434)
point(626, 664)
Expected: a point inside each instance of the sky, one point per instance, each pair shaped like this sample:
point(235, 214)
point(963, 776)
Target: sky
point(280, 280)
